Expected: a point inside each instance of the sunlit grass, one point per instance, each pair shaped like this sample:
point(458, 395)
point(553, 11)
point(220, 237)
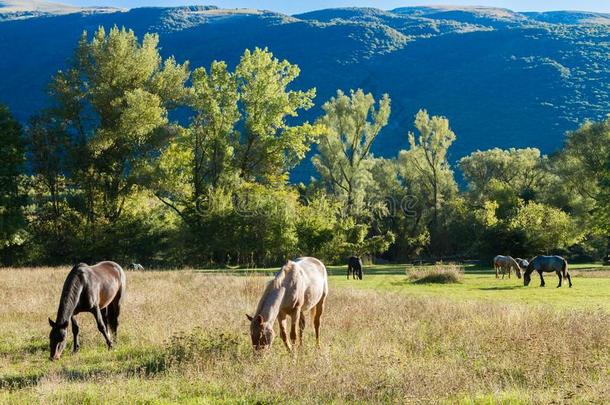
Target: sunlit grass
point(183, 337)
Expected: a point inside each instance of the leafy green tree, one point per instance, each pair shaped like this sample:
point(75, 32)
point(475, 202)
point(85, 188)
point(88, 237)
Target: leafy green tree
point(240, 132)
point(114, 100)
point(351, 124)
point(269, 145)
point(12, 197)
point(547, 229)
point(53, 222)
point(48, 147)
point(425, 169)
point(584, 164)
point(516, 173)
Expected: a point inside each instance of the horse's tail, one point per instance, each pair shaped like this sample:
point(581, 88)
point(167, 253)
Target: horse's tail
point(564, 268)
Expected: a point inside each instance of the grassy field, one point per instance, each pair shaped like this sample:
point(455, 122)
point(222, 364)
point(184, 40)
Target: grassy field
point(183, 338)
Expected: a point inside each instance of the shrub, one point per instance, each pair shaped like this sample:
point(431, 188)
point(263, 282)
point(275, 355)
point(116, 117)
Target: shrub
point(437, 274)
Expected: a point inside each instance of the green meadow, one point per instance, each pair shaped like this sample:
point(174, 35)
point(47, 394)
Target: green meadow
point(184, 338)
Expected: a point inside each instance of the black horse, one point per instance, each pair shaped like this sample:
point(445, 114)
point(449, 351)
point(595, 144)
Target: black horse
point(354, 266)
point(547, 264)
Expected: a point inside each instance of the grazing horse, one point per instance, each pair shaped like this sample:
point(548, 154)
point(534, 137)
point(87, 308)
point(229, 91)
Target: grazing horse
point(547, 264)
point(98, 289)
point(300, 286)
point(354, 267)
point(506, 263)
point(523, 263)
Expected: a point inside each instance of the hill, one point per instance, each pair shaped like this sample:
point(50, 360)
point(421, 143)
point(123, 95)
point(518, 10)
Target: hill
point(502, 78)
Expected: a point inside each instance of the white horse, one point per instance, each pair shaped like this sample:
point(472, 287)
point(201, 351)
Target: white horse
point(523, 263)
point(506, 263)
point(300, 286)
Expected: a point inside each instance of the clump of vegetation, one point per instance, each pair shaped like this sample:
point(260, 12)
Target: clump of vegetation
point(439, 274)
point(201, 346)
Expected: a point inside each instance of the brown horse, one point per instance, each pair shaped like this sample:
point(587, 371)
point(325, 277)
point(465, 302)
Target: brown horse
point(97, 289)
point(300, 286)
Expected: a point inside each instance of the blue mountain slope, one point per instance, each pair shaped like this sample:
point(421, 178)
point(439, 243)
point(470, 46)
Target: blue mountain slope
point(503, 78)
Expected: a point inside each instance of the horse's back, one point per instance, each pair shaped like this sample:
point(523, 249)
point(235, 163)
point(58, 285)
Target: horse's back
point(354, 261)
point(108, 279)
point(316, 287)
point(312, 266)
point(548, 263)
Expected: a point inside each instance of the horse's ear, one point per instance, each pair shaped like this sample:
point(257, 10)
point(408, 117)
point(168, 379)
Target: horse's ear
point(260, 319)
point(51, 323)
point(249, 317)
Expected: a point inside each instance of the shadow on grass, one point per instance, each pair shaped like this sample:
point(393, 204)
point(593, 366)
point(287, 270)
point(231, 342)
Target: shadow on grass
point(501, 288)
point(15, 382)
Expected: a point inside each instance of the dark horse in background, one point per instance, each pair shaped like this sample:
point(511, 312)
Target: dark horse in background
point(547, 264)
point(354, 266)
point(97, 289)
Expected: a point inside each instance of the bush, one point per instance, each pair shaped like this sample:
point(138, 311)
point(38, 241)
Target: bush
point(438, 274)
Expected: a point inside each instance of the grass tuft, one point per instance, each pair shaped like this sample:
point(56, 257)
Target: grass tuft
point(438, 274)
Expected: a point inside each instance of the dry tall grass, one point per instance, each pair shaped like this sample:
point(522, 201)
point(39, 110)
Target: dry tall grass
point(437, 274)
point(183, 336)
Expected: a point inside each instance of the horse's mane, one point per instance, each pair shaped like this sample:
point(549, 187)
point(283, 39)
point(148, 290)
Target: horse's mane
point(70, 293)
point(277, 282)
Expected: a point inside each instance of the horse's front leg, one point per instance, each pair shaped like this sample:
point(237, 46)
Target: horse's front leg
point(497, 275)
point(541, 279)
point(75, 331)
point(301, 328)
point(560, 278)
point(282, 321)
point(296, 316)
point(101, 326)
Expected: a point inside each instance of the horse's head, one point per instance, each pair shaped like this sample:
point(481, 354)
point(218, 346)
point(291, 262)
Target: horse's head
point(261, 332)
point(57, 339)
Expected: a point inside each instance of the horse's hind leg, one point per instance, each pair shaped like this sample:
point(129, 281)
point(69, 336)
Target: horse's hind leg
point(105, 316)
point(301, 328)
point(316, 313)
point(101, 326)
point(541, 279)
point(114, 310)
point(559, 275)
point(567, 275)
point(75, 330)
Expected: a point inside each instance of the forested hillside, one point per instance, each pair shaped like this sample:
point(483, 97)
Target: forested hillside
point(503, 78)
point(421, 133)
